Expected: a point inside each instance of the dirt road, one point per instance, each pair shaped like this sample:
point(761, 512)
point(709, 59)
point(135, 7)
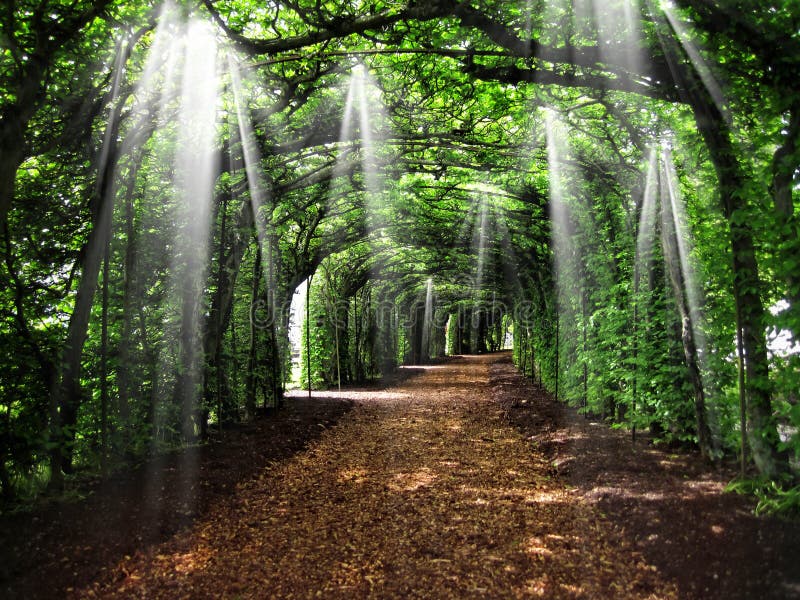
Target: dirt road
point(422, 491)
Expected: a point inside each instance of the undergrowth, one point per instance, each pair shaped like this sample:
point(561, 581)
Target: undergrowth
point(778, 498)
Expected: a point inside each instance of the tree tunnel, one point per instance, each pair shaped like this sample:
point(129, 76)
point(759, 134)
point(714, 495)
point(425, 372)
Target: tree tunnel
point(608, 189)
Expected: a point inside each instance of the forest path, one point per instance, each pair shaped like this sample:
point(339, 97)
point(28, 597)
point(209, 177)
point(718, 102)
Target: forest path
point(423, 490)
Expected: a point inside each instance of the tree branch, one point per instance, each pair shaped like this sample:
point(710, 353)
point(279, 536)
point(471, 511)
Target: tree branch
point(513, 75)
point(332, 29)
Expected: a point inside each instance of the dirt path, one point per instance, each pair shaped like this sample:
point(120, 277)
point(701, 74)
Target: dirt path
point(424, 491)
point(463, 480)
point(668, 503)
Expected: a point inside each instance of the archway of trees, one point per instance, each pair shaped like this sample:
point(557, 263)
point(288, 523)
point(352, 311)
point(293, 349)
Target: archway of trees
point(609, 186)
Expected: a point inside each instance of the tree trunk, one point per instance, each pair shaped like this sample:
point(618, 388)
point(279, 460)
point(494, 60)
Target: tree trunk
point(282, 301)
point(65, 396)
point(190, 370)
point(188, 382)
point(218, 315)
point(734, 189)
point(11, 149)
point(784, 166)
point(250, 393)
point(747, 287)
point(151, 356)
point(104, 363)
point(129, 294)
point(358, 365)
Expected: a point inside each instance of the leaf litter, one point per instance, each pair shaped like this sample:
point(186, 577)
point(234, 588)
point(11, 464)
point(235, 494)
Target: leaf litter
point(464, 481)
point(428, 494)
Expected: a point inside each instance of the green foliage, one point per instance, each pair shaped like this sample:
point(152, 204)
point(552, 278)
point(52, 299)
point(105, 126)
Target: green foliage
point(453, 183)
point(781, 499)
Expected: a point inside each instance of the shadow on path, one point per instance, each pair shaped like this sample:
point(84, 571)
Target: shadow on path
point(668, 503)
point(66, 545)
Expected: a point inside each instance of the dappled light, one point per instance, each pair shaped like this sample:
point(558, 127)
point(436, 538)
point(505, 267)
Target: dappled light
point(361, 395)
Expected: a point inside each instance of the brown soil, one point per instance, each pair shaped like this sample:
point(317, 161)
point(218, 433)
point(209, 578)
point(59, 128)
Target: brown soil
point(64, 546)
point(461, 481)
point(668, 503)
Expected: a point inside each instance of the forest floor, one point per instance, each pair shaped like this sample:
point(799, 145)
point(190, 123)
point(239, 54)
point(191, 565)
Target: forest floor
point(460, 480)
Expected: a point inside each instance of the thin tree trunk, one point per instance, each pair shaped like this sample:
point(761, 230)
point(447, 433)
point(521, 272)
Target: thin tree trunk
point(742, 400)
point(585, 351)
point(358, 367)
point(308, 333)
point(270, 307)
point(672, 258)
point(234, 349)
point(558, 349)
point(281, 303)
point(104, 363)
point(189, 370)
point(218, 316)
point(129, 294)
point(635, 352)
point(270, 296)
point(250, 393)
